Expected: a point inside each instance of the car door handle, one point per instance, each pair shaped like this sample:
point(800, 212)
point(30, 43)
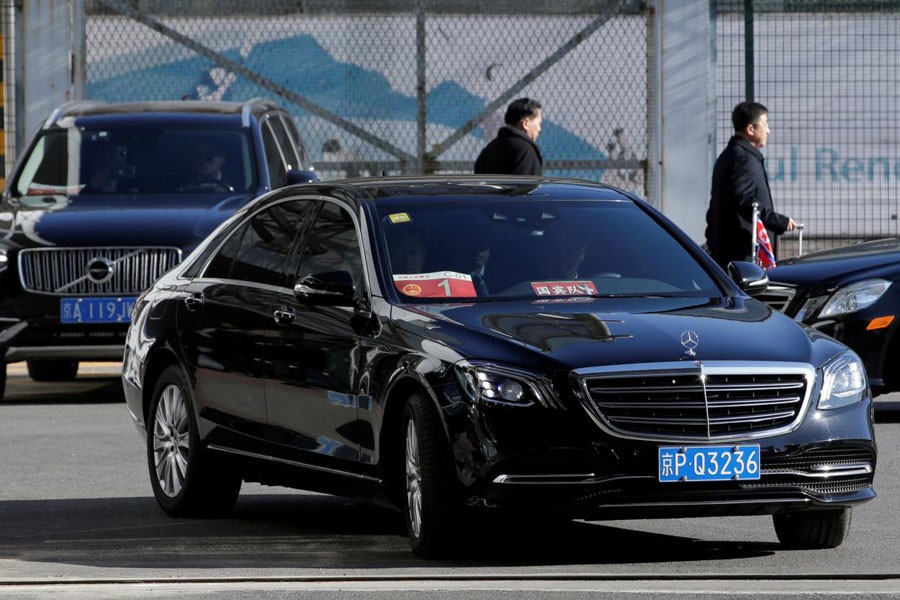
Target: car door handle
point(284, 315)
point(194, 301)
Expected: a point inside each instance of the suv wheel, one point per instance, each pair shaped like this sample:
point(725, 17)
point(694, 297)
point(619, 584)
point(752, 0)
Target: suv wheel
point(185, 480)
point(53, 370)
point(814, 528)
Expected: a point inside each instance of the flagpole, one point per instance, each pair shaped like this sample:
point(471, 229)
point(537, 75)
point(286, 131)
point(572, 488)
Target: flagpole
point(754, 247)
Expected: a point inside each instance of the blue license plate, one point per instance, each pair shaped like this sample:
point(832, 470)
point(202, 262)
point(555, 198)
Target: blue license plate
point(708, 463)
point(95, 310)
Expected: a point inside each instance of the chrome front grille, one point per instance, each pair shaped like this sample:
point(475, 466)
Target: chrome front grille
point(697, 401)
point(94, 271)
point(777, 296)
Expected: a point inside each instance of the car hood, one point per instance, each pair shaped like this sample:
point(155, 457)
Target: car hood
point(180, 220)
point(836, 264)
point(613, 331)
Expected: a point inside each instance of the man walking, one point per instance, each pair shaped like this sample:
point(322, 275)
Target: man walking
point(739, 180)
point(514, 151)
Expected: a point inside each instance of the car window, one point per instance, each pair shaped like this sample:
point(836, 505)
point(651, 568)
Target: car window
point(514, 248)
point(285, 141)
point(136, 160)
point(304, 163)
point(274, 157)
point(332, 245)
point(257, 250)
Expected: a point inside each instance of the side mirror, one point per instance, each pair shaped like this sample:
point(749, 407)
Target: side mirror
point(750, 277)
point(332, 288)
point(295, 176)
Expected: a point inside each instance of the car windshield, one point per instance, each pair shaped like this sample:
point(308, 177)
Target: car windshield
point(515, 248)
point(137, 160)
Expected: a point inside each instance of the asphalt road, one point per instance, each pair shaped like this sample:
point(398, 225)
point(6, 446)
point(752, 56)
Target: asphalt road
point(77, 520)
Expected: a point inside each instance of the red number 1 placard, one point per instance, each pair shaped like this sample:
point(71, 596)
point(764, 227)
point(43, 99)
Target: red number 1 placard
point(441, 284)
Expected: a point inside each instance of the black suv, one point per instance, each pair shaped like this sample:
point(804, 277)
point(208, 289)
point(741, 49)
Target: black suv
point(108, 197)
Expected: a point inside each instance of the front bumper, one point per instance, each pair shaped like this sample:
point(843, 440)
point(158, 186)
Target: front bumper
point(561, 462)
point(45, 338)
point(815, 476)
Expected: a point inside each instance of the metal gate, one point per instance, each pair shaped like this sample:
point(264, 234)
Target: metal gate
point(397, 86)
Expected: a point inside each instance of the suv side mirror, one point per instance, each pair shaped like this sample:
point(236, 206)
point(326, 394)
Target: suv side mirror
point(332, 288)
point(750, 277)
point(295, 176)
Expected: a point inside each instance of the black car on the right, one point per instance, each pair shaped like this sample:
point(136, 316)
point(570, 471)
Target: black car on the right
point(850, 293)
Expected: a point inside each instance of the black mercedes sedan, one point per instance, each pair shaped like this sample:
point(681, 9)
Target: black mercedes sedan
point(851, 294)
point(458, 344)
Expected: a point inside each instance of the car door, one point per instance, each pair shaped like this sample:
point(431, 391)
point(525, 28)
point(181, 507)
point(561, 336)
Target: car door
point(314, 360)
point(223, 314)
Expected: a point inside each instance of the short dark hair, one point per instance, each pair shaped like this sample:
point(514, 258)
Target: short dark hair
point(746, 113)
point(519, 109)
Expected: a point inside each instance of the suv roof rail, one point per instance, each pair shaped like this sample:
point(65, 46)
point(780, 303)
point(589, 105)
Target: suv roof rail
point(69, 107)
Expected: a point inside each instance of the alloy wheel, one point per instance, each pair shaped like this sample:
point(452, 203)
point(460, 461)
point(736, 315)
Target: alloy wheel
point(413, 479)
point(171, 440)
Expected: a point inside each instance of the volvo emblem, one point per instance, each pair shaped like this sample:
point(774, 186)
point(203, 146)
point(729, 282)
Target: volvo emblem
point(690, 340)
point(100, 270)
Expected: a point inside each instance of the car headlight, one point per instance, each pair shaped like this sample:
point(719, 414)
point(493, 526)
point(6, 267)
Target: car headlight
point(4, 259)
point(492, 384)
point(855, 296)
point(845, 382)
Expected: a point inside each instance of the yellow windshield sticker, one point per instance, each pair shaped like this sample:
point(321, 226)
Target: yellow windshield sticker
point(399, 218)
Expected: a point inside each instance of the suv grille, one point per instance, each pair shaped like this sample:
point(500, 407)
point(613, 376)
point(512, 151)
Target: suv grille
point(703, 402)
point(94, 271)
point(777, 296)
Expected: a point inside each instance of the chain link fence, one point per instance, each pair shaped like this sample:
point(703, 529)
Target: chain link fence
point(829, 73)
point(397, 86)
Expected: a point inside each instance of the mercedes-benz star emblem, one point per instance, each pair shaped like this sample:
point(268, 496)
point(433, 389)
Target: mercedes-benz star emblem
point(690, 340)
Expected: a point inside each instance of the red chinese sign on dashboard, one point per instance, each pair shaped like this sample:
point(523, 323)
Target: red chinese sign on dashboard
point(441, 284)
point(564, 288)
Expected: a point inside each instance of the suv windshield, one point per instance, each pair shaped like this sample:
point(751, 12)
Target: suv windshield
point(528, 248)
point(137, 160)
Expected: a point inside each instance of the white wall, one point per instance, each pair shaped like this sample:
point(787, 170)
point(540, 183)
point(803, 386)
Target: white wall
point(49, 57)
point(687, 112)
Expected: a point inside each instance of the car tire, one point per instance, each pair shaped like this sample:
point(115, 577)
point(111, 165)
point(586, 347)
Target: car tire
point(53, 370)
point(429, 501)
point(185, 479)
point(814, 528)
point(2, 380)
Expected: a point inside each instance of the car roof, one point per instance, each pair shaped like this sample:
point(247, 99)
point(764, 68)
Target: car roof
point(81, 109)
point(384, 189)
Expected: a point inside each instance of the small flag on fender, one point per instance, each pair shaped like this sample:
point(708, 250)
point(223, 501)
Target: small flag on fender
point(765, 257)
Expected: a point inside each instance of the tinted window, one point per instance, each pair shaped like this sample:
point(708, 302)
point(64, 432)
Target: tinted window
point(277, 170)
point(304, 162)
point(134, 160)
point(531, 248)
point(258, 249)
point(287, 144)
point(333, 244)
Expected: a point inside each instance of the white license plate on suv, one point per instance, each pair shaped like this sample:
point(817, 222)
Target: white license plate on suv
point(708, 463)
point(95, 310)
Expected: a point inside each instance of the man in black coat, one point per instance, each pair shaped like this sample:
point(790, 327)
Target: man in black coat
point(739, 180)
point(514, 151)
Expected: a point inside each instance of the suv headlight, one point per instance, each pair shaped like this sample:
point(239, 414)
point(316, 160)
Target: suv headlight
point(845, 381)
point(855, 296)
point(493, 384)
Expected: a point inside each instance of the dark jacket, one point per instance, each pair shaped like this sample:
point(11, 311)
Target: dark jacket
point(510, 153)
point(739, 180)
